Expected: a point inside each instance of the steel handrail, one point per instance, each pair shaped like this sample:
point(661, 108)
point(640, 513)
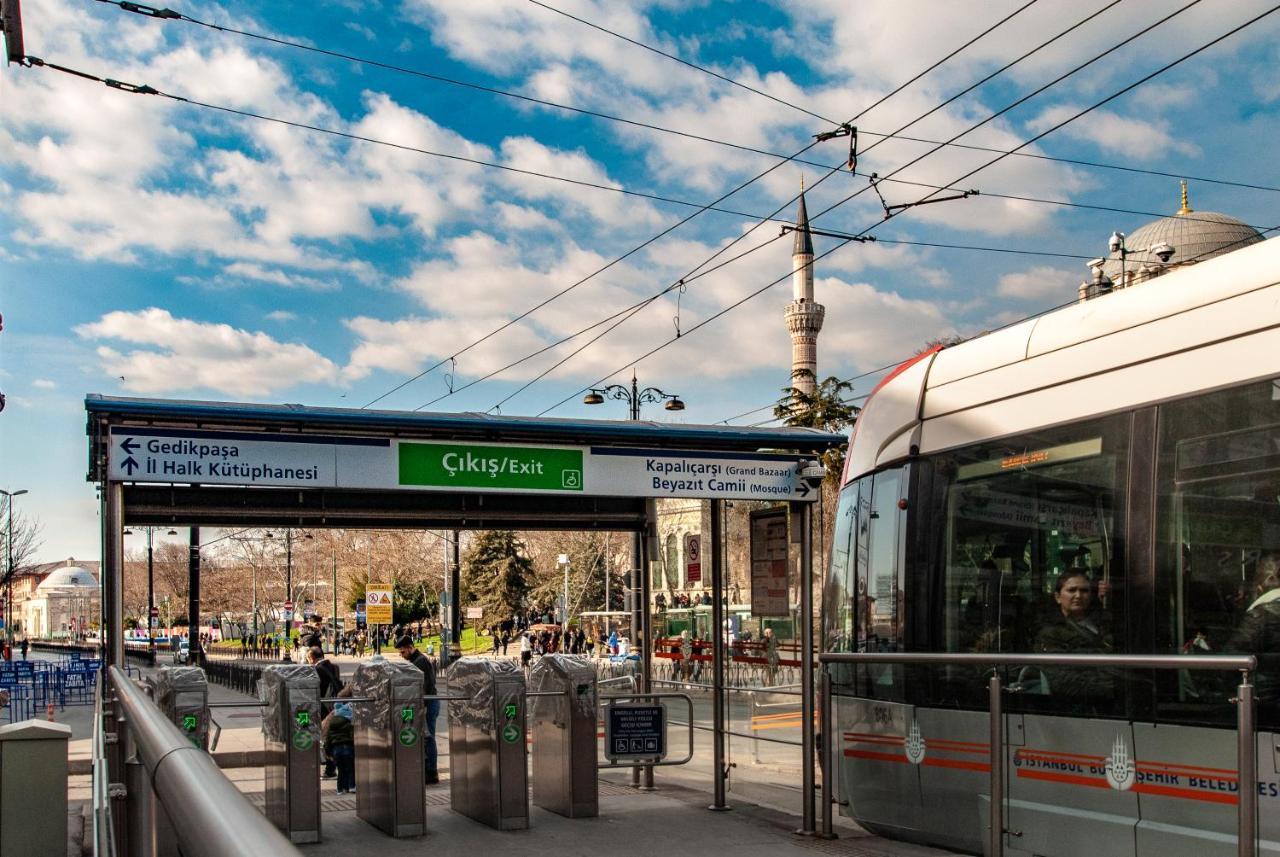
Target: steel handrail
point(104, 840)
point(216, 820)
point(1246, 752)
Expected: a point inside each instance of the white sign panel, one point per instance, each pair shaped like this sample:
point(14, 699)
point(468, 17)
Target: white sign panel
point(705, 475)
point(145, 454)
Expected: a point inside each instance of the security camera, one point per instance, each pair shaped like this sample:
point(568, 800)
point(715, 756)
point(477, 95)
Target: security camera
point(813, 472)
point(1163, 252)
point(1116, 242)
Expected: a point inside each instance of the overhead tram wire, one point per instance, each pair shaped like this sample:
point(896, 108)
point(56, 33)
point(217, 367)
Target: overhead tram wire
point(1194, 52)
point(153, 12)
point(1021, 100)
point(793, 157)
point(752, 89)
point(898, 136)
point(909, 124)
point(988, 331)
point(170, 14)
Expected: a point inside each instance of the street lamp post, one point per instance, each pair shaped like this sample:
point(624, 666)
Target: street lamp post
point(8, 598)
point(151, 590)
point(563, 561)
point(634, 396)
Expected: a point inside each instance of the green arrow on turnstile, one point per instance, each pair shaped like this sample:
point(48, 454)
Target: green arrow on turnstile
point(408, 736)
point(510, 733)
point(510, 710)
point(406, 715)
point(189, 722)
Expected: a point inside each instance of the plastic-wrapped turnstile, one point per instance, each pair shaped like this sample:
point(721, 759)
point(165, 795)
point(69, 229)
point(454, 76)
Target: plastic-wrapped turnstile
point(488, 757)
point(389, 735)
point(291, 740)
point(182, 693)
point(564, 735)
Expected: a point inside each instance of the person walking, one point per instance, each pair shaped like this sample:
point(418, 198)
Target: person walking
point(26, 646)
point(410, 653)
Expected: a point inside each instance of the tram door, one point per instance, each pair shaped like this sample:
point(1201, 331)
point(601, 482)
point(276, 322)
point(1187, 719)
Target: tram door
point(1034, 563)
point(879, 778)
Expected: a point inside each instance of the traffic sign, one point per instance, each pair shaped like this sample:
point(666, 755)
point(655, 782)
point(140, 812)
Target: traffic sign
point(379, 602)
point(693, 558)
point(288, 606)
point(155, 611)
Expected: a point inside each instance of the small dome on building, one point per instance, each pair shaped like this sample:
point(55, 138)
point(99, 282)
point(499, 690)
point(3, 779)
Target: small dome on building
point(68, 577)
point(1195, 236)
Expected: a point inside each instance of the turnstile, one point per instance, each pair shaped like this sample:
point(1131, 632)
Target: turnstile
point(564, 735)
point(389, 735)
point(182, 693)
point(291, 740)
point(488, 757)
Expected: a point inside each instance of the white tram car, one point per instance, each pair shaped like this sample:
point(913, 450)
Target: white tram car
point(1103, 478)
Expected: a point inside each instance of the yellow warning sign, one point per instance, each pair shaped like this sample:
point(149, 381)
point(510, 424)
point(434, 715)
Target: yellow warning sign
point(378, 602)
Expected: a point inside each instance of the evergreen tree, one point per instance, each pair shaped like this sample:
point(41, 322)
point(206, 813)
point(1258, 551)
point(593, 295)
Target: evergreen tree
point(825, 408)
point(496, 574)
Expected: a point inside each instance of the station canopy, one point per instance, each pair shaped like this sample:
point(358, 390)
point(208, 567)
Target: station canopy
point(226, 464)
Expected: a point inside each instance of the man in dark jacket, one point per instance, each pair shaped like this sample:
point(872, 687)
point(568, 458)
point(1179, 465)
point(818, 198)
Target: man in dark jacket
point(330, 686)
point(410, 653)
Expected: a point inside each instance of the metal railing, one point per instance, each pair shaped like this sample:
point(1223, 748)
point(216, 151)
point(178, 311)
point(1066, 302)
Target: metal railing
point(211, 817)
point(1246, 754)
point(103, 825)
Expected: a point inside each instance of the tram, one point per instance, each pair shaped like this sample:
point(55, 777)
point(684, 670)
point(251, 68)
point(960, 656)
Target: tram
point(1104, 478)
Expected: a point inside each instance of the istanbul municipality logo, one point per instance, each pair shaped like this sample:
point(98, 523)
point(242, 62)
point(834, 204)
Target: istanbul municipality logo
point(914, 745)
point(1120, 769)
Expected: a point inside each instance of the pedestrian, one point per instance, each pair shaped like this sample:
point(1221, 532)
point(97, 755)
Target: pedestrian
point(26, 646)
point(526, 651)
point(339, 740)
point(506, 638)
point(409, 652)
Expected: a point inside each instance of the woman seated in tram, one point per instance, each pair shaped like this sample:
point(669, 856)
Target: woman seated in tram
point(1259, 630)
point(1075, 627)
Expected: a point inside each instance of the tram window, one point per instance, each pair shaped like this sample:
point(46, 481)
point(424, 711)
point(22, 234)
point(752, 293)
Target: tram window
point(838, 593)
point(879, 529)
point(1218, 547)
point(1031, 561)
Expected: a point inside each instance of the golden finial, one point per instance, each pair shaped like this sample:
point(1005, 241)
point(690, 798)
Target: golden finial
point(1186, 209)
point(802, 182)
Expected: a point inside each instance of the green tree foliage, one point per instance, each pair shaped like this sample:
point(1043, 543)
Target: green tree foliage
point(496, 573)
point(589, 561)
point(412, 603)
point(826, 408)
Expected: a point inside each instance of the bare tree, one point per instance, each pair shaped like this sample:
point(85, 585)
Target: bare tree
point(24, 538)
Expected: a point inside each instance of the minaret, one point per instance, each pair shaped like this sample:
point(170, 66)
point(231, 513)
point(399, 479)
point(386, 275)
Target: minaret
point(804, 317)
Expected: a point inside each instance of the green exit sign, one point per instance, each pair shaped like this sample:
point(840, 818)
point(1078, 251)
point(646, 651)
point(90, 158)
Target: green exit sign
point(525, 468)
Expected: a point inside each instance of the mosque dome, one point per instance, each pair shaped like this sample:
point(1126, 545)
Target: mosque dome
point(68, 577)
point(1195, 236)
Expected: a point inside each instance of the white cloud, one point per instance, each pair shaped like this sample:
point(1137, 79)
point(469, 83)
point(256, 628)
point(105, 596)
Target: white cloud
point(43, 384)
point(281, 315)
point(1039, 282)
point(182, 354)
point(1111, 132)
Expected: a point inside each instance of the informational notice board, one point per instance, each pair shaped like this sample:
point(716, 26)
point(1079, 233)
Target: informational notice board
point(635, 730)
point(769, 563)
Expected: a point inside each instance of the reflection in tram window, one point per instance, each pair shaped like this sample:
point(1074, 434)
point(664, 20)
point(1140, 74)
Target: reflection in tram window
point(1218, 530)
point(1022, 516)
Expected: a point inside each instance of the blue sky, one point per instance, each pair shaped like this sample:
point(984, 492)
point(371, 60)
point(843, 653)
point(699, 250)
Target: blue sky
point(155, 248)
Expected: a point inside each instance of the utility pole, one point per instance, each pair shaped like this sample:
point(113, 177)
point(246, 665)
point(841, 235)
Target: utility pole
point(8, 600)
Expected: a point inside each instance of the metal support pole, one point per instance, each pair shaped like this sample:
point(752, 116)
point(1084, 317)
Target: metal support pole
point(455, 583)
point(648, 556)
point(288, 580)
point(995, 709)
point(829, 758)
point(1247, 775)
point(113, 574)
point(809, 762)
point(193, 597)
point(719, 772)
point(151, 597)
point(633, 585)
point(334, 593)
